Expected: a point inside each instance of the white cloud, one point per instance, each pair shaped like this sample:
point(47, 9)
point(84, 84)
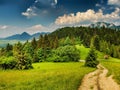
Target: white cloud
point(114, 2)
point(37, 28)
point(3, 27)
point(88, 16)
point(30, 12)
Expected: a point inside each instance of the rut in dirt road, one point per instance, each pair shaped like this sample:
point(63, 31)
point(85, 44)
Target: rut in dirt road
point(97, 80)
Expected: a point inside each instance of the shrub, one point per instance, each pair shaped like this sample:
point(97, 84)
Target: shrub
point(7, 62)
point(66, 54)
point(24, 62)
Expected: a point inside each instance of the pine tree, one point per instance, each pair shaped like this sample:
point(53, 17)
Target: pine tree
point(56, 42)
point(34, 43)
point(9, 47)
point(40, 42)
point(46, 42)
point(91, 59)
point(96, 42)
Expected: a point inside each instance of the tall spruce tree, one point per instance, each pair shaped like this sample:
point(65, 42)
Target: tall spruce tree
point(40, 42)
point(34, 43)
point(91, 59)
point(96, 42)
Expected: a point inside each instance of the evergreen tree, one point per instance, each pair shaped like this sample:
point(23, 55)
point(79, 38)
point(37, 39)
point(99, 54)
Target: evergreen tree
point(91, 59)
point(9, 47)
point(40, 42)
point(17, 49)
point(34, 43)
point(46, 42)
point(96, 42)
point(56, 42)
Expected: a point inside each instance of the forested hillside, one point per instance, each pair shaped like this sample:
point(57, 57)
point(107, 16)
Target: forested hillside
point(105, 39)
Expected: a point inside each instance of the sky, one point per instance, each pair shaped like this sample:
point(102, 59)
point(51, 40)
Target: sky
point(32, 16)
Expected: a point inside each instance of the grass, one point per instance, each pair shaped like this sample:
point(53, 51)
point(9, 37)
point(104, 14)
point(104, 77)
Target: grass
point(113, 65)
point(84, 52)
point(45, 76)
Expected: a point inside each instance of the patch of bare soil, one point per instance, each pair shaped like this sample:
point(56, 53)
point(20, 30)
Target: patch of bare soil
point(98, 80)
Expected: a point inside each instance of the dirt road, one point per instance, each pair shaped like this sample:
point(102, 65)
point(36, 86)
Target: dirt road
point(97, 80)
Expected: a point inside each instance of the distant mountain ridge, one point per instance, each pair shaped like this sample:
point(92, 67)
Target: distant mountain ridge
point(104, 24)
point(24, 36)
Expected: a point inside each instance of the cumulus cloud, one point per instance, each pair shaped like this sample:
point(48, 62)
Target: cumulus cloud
point(88, 16)
point(29, 12)
point(114, 2)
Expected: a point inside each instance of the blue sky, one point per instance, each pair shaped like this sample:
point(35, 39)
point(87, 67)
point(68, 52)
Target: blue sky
point(17, 16)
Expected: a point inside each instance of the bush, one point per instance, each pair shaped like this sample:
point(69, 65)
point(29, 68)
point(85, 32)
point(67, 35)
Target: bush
point(91, 59)
point(24, 62)
point(7, 62)
point(66, 54)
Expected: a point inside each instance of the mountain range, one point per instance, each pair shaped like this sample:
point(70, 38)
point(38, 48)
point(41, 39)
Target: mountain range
point(104, 24)
point(24, 36)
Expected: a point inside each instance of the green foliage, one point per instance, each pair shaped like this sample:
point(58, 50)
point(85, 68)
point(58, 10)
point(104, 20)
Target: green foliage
point(66, 54)
point(40, 53)
point(91, 59)
point(67, 41)
point(103, 37)
point(35, 57)
point(9, 47)
point(23, 55)
point(28, 50)
point(23, 62)
point(83, 51)
point(7, 62)
point(40, 42)
point(34, 43)
point(17, 48)
point(96, 42)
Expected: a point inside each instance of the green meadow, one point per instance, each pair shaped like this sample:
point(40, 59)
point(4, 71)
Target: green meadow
point(113, 65)
point(45, 76)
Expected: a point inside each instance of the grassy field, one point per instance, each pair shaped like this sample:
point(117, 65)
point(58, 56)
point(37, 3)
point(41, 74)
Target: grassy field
point(113, 65)
point(45, 76)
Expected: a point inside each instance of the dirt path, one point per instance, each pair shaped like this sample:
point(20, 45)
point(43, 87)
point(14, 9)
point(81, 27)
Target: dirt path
point(97, 80)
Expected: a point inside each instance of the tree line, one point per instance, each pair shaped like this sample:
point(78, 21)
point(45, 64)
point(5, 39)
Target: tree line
point(45, 49)
point(59, 46)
